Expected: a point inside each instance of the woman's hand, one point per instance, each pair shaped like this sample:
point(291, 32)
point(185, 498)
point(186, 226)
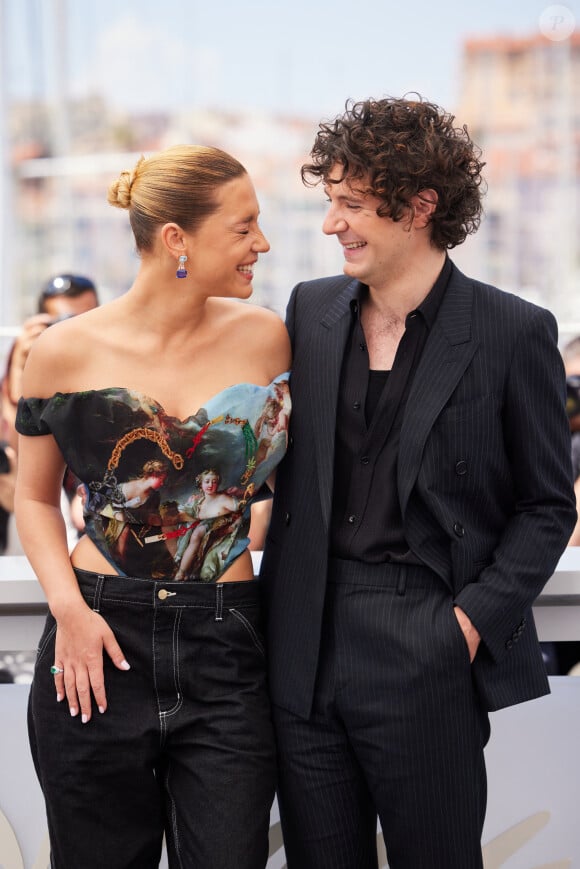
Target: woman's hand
point(81, 636)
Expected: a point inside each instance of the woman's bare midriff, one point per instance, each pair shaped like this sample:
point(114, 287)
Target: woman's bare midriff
point(86, 556)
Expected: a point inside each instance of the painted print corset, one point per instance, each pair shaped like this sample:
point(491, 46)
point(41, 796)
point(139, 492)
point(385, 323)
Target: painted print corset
point(166, 498)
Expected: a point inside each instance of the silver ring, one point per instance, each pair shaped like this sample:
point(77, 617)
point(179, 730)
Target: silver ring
point(56, 670)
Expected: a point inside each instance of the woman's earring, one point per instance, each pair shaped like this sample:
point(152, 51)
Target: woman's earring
point(181, 270)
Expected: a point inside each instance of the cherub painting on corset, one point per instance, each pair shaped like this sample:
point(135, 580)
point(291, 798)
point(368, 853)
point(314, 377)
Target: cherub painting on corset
point(134, 494)
point(208, 504)
point(272, 424)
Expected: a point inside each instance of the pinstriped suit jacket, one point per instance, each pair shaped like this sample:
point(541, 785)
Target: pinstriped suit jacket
point(484, 479)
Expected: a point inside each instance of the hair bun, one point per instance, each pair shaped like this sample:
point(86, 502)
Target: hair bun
point(119, 193)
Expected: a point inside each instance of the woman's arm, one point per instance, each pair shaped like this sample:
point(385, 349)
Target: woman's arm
point(81, 633)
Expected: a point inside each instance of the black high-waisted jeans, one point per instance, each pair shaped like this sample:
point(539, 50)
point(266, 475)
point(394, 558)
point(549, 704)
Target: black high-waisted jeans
point(185, 748)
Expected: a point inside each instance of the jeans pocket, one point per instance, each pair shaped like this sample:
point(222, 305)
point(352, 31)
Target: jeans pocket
point(47, 638)
point(251, 630)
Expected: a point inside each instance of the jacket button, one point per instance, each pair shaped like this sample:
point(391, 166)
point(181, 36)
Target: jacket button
point(459, 529)
point(356, 405)
point(351, 520)
point(365, 460)
point(509, 644)
point(461, 468)
point(291, 441)
point(287, 518)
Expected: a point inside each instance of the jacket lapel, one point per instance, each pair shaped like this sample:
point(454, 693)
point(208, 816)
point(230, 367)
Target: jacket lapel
point(327, 354)
point(447, 353)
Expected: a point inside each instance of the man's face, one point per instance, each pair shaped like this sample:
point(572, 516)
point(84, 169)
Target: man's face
point(69, 306)
point(375, 248)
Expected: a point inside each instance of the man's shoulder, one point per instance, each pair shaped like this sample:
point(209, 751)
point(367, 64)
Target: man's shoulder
point(324, 285)
point(316, 297)
point(495, 298)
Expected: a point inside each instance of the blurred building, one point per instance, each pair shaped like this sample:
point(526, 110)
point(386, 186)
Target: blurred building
point(520, 99)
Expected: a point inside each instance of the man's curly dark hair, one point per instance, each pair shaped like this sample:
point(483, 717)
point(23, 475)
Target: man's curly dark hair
point(400, 147)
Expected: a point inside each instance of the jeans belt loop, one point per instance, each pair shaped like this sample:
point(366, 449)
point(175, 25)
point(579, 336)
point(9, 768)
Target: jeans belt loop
point(98, 591)
point(219, 602)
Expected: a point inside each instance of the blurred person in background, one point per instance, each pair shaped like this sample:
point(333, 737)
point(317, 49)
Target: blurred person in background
point(571, 357)
point(568, 653)
point(62, 296)
point(67, 294)
point(149, 713)
point(424, 502)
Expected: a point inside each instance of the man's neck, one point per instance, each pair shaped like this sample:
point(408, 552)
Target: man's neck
point(401, 293)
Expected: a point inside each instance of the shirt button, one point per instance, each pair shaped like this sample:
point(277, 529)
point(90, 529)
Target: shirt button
point(356, 405)
point(351, 520)
point(365, 460)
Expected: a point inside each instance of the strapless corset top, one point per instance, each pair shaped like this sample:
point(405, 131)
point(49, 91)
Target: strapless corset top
point(165, 497)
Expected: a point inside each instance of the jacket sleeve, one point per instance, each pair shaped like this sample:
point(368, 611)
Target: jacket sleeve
point(537, 442)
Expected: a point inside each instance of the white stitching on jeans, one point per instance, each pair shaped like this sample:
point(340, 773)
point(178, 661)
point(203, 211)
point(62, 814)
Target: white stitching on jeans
point(250, 628)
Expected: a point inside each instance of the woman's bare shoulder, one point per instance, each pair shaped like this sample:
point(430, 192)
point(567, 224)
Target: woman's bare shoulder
point(271, 341)
point(262, 331)
point(57, 353)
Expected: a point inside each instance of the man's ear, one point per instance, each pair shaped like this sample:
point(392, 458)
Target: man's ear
point(424, 204)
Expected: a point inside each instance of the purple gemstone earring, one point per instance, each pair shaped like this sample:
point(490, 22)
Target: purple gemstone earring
point(181, 270)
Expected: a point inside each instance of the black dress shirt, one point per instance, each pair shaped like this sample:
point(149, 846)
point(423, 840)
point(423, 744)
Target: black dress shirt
point(367, 524)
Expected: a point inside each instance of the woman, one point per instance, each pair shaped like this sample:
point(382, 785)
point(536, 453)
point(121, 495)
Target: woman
point(167, 677)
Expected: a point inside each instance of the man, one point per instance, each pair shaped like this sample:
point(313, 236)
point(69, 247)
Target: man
point(571, 357)
point(424, 502)
point(66, 295)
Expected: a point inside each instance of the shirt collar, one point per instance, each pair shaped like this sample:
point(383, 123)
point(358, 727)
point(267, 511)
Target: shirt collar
point(430, 304)
point(428, 307)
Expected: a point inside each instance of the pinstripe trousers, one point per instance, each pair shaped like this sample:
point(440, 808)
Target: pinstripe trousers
point(396, 731)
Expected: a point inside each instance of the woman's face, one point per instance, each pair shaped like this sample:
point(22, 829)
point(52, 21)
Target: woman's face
point(158, 479)
point(209, 484)
point(222, 253)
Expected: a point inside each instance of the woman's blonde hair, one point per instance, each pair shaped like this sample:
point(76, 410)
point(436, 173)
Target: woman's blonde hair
point(174, 186)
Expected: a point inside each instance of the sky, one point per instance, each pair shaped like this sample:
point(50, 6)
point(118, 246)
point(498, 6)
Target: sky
point(290, 57)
